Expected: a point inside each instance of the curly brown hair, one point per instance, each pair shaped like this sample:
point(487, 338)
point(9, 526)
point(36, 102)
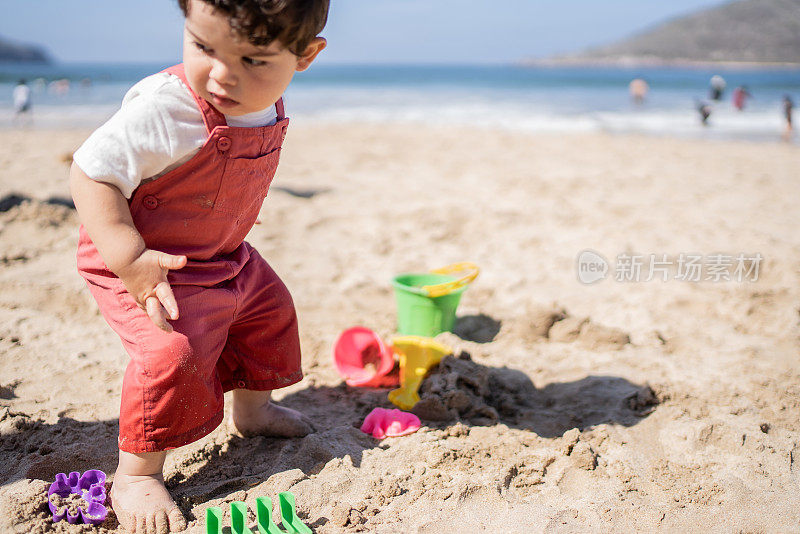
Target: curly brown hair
point(260, 22)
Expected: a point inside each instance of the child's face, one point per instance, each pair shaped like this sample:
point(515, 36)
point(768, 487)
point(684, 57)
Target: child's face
point(235, 76)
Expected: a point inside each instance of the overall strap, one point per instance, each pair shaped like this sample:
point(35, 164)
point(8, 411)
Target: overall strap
point(211, 116)
point(279, 109)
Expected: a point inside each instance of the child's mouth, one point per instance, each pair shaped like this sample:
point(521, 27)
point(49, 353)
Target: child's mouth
point(222, 101)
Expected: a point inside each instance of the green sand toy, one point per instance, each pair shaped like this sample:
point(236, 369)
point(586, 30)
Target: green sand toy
point(239, 518)
point(427, 302)
point(266, 525)
point(289, 514)
point(213, 520)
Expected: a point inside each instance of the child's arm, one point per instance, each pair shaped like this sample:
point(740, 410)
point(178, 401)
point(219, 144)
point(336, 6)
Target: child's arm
point(104, 212)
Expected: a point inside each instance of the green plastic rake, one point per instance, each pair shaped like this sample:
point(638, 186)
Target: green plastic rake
point(265, 523)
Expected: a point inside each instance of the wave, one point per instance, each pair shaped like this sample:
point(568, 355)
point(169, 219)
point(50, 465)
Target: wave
point(530, 100)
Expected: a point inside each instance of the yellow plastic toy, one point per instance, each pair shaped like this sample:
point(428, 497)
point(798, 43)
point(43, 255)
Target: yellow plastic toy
point(468, 271)
point(417, 356)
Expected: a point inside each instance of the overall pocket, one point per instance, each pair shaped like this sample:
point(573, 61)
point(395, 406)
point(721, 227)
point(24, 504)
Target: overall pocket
point(245, 183)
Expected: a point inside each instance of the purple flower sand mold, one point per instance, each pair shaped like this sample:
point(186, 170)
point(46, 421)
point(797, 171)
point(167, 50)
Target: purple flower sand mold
point(89, 489)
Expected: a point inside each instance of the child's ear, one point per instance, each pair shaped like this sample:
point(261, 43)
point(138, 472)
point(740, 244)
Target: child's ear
point(310, 53)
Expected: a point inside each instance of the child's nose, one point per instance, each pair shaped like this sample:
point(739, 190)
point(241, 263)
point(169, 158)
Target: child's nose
point(222, 73)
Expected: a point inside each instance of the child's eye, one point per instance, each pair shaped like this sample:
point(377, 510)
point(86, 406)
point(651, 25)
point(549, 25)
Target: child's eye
point(203, 48)
point(253, 62)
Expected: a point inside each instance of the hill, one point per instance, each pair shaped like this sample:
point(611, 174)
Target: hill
point(750, 31)
point(13, 52)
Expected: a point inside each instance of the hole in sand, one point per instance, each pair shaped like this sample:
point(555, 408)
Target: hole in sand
point(478, 328)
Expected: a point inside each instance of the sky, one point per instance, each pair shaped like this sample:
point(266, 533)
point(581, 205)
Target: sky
point(358, 31)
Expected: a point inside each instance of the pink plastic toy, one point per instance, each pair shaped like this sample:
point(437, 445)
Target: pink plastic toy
point(382, 423)
point(362, 358)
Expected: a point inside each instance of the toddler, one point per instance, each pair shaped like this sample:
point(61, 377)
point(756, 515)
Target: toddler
point(166, 192)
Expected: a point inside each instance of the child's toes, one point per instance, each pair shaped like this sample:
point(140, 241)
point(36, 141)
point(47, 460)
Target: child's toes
point(309, 424)
point(177, 522)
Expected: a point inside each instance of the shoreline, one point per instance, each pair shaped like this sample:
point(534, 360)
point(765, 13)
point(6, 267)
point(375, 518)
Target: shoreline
point(707, 135)
point(639, 62)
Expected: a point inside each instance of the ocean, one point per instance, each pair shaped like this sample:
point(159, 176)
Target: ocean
point(532, 99)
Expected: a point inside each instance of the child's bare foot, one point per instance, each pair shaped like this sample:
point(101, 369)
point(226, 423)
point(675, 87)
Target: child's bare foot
point(141, 502)
point(254, 415)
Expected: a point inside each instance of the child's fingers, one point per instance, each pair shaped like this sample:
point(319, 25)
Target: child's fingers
point(167, 299)
point(157, 314)
point(168, 261)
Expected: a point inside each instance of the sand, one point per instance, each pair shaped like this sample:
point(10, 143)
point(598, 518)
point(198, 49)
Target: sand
point(617, 406)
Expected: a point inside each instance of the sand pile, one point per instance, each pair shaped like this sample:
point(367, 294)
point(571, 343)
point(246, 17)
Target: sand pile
point(459, 389)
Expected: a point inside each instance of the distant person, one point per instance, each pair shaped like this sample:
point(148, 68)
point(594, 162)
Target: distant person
point(22, 101)
point(60, 87)
point(717, 88)
point(788, 107)
point(638, 89)
point(175, 179)
point(740, 96)
point(704, 109)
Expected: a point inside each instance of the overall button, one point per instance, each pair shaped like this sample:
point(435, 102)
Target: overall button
point(241, 384)
point(224, 144)
point(150, 202)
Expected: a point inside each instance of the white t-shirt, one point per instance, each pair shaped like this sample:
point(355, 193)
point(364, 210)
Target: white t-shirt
point(158, 128)
point(21, 96)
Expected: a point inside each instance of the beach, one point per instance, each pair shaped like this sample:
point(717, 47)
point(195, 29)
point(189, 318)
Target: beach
point(627, 404)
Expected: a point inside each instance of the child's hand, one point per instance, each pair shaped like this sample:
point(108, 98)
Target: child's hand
point(145, 278)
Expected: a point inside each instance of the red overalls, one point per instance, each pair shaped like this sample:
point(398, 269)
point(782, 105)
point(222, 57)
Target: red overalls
point(237, 325)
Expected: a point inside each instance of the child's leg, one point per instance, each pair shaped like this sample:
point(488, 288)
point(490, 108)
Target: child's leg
point(262, 353)
point(171, 395)
point(254, 415)
point(140, 499)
